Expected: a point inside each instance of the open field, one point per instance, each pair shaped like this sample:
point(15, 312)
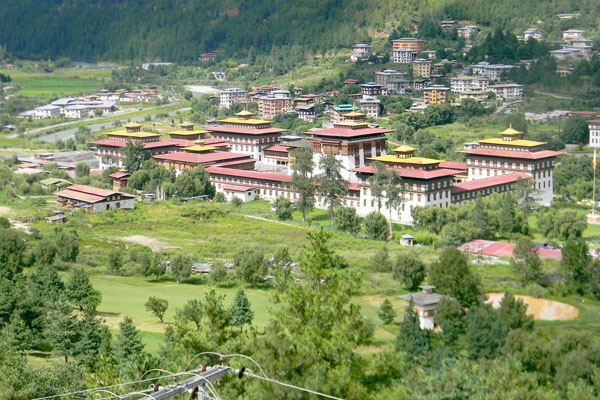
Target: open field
point(61, 82)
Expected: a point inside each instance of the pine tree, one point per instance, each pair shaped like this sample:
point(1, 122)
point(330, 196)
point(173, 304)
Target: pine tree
point(128, 346)
point(241, 313)
point(81, 293)
point(386, 312)
point(411, 338)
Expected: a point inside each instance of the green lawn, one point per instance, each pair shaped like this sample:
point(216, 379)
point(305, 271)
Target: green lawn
point(61, 82)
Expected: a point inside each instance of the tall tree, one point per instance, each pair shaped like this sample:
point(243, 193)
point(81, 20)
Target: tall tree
point(81, 293)
point(526, 261)
point(486, 333)
point(409, 270)
point(194, 182)
point(192, 311)
point(241, 314)
point(575, 260)
point(128, 347)
point(250, 265)
point(134, 155)
point(301, 180)
point(394, 194)
point(181, 267)
point(378, 182)
point(452, 276)
point(332, 185)
point(411, 339)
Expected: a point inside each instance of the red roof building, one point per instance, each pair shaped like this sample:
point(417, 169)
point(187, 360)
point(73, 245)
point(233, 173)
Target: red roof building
point(93, 199)
point(247, 135)
point(510, 154)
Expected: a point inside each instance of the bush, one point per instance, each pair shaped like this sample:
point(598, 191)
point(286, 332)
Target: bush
point(220, 197)
point(537, 291)
point(377, 226)
point(283, 208)
point(347, 220)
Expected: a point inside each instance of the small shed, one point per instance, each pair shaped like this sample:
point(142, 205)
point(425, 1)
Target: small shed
point(407, 240)
point(56, 219)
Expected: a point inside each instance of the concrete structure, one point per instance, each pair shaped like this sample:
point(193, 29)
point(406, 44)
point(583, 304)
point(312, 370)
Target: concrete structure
point(278, 102)
point(243, 193)
point(510, 154)
point(306, 113)
point(147, 66)
point(415, 45)
point(462, 83)
point(468, 31)
point(93, 199)
point(532, 33)
point(383, 77)
point(246, 134)
point(570, 33)
point(229, 95)
point(370, 89)
point(360, 50)
point(370, 105)
point(436, 94)
point(403, 56)
point(594, 129)
point(397, 85)
point(208, 56)
point(351, 141)
point(425, 303)
point(507, 91)
point(421, 68)
point(492, 71)
point(76, 111)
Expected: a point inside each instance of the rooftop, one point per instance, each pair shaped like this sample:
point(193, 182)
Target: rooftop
point(488, 182)
point(348, 133)
point(526, 155)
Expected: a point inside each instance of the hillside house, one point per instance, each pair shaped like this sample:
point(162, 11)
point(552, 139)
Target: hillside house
point(93, 199)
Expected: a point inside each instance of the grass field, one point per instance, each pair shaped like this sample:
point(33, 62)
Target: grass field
point(61, 82)
point(209, 231)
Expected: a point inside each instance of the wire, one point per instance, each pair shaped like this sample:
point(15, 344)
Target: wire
point(102, 388)
point(251, 375)
point(226, 356)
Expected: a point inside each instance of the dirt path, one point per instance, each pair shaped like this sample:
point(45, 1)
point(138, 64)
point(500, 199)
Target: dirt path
point(154, 243)
point(542, 309)
point(275, 222)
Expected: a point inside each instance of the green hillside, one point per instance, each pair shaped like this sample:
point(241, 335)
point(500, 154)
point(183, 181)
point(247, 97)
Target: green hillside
point(178, 30)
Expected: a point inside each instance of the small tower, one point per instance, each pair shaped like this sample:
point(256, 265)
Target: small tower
point(425, 304)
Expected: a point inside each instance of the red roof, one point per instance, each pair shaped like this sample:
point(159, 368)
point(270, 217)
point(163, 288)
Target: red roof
point(348, 132)
point(238, 188)
point(454, 165)
point(584, 112)
point(75, 195)
point(526, 155)
point(245, 131)
point(488, 182)
point(277, 147)
point(236, 162)
point(110, 142)
point(499, 249)
point(594, 121)
point(215, 142)
point(147, 145)
point(266, 176)
point(92, 190)
point(411, 173)
point(350, 81)
point(201, 158)
point(119, 175)
point(354, 187)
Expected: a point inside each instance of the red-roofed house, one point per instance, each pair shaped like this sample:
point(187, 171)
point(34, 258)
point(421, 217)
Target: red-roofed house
point(93, 199)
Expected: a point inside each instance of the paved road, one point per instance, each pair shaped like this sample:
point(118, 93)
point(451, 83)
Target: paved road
point(70, 133)
point(504, 106)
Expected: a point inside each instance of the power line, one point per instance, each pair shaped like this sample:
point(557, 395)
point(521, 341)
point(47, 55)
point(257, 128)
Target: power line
point(251, 375)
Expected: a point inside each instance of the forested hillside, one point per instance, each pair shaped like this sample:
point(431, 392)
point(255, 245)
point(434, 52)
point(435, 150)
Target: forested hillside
point(178, 30)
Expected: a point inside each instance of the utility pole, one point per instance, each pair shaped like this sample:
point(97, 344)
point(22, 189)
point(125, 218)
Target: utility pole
point(198, 381)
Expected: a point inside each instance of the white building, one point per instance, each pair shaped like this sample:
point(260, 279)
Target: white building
point(47, 111)
point(76, 111)
point(492, 71)
point(594, 128)
point(462, 83)
point(468, 31)
point(243, 193)
point(403, 56)
point(425, 303)
point(507, 91)
point(532, 33)
point(229, 95)
point(569, 33)
point(360, 50)
point(370, 105)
